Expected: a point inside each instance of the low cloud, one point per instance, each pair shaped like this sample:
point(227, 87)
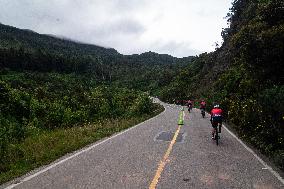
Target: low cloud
point(180, 28)
point(180, 49)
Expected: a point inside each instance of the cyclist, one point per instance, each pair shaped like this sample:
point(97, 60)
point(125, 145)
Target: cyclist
point(202, 107)
point(189, 105)
point(202, 104)
point(216, 118)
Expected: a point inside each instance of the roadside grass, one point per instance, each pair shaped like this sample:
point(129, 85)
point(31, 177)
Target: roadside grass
point(43, 147)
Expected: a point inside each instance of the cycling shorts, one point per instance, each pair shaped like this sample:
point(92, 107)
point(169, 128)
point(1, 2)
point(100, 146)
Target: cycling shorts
point(215, 120)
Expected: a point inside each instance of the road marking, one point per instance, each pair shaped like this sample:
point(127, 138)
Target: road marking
point(78, 153)
point(181, 118)
point(165, 158)
point(255, 155)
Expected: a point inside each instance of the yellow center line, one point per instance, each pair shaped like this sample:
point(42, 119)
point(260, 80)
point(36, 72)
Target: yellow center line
point(164, 160)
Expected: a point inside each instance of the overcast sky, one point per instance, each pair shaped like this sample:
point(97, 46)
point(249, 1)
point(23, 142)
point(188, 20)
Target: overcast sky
point(176, 27)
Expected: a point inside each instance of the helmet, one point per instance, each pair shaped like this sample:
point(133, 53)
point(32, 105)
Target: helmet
point(216, 106)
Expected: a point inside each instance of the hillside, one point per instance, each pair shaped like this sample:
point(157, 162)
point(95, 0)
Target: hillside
point(12, 37)
point(27, 50)
point(244, 75)
point(31, 42)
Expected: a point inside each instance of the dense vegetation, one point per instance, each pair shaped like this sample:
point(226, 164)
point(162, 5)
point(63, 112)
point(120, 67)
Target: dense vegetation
point(244, 75)
point(34, 103)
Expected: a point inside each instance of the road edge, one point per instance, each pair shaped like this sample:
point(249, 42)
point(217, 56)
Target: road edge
point(268, 167)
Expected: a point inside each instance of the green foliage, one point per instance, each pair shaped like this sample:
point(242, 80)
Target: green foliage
point(142, 104)
point(32, 101)
point(44, 146)
point(271, 11)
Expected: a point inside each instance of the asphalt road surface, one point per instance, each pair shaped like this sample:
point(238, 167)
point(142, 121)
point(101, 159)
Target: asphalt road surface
point(159, 153)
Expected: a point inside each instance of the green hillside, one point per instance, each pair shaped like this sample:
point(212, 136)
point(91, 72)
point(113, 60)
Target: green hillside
point(12, 37)
point(22, 50)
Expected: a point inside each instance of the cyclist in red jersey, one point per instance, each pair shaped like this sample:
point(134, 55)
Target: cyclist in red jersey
point(216, 118)
point(202, 108)
point(202, 104)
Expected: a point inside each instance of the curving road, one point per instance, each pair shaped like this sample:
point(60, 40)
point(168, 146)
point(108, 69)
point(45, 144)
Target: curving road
point(159, 154)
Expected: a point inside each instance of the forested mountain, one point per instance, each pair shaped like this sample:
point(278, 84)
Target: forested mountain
point(244, 75)
point(32, 42)
point(15, 38)
point(27, 50)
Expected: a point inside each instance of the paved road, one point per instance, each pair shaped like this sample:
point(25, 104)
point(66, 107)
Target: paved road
point(131, 160)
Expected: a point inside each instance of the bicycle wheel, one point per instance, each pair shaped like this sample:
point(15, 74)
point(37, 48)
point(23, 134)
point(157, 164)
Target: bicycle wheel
point(216, 136)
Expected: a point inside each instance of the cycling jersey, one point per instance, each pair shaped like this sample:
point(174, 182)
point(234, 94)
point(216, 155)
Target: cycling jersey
point(216, 112)
point(202, 105)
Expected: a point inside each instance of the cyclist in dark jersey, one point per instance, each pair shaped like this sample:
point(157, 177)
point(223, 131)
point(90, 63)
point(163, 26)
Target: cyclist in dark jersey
point(189, 105)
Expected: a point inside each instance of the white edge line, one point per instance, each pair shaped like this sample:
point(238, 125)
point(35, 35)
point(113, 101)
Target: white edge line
point(78, 153)
point(255, 155)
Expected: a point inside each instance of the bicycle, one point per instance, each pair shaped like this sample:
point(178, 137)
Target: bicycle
point(189, 108)
point(217, 130)
point(203, 112)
